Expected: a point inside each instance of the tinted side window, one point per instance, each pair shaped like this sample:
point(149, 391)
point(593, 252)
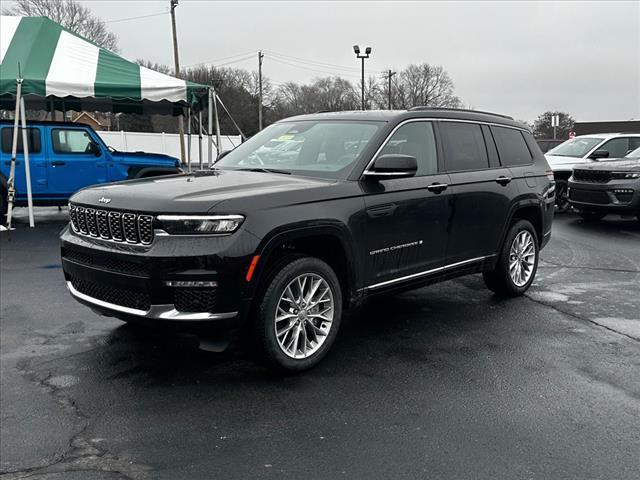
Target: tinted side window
point(33, 137)
point(415, 139)
point(617, 148)
point(512, 147)
point(634, 142)
point(70, 141)
point(463, 145)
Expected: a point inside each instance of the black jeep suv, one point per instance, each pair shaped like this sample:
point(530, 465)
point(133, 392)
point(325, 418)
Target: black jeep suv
point(309, 217)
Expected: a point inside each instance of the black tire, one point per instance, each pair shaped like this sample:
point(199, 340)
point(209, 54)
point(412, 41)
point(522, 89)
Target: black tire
point(499, 279)
point(264, 333)
point(562, 197)
point(4, 207)
point(592, 215)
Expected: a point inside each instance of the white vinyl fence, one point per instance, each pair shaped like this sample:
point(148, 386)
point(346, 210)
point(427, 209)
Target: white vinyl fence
point(167, 143)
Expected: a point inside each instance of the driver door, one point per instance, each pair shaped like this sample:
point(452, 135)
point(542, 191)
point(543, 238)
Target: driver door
point(406, 219)
point(72, 163)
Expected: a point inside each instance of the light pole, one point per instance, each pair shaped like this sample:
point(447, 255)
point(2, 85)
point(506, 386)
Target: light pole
point(367, 52)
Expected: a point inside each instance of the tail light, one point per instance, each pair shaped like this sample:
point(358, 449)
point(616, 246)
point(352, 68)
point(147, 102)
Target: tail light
point(549, 174)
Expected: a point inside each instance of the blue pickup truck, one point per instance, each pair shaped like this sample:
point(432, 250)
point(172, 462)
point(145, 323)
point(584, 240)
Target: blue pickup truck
point(65, 157)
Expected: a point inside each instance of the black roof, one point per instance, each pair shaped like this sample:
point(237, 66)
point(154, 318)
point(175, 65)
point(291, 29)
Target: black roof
point(47, 122)
point(416, 112)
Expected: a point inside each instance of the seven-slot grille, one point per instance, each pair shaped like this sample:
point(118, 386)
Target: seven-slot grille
point(596, 176)
point(109, 225)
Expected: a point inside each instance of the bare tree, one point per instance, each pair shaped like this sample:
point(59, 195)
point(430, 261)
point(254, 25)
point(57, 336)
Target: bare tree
point(424, 84)
point(158, 67)
point(71, 15)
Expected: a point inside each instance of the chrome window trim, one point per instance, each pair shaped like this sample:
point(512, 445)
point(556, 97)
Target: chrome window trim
point(158, 312)
point(432, 119)
point(427, 272)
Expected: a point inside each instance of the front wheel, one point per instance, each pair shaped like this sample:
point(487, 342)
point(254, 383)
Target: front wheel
point(299, 314)
point(517, 263)
point(562, 196)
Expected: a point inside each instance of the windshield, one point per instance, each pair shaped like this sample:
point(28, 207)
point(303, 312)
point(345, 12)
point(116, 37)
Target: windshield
point(634, 154)
point(326, 149)
point(576, 147)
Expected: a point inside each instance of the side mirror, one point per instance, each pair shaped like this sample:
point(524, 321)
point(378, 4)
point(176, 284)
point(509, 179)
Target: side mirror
point(599, 154)
point(392, 165)
point(223, 154)
point(94, 148)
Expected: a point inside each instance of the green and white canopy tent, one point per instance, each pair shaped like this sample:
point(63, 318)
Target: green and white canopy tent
point(55, 63)
point(51, 68)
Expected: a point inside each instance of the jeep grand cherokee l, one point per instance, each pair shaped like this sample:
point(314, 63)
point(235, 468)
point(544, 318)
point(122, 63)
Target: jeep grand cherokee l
point(281, 243)
point(612, 186)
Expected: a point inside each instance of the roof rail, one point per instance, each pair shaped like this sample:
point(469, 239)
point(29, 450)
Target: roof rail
point(445, 109)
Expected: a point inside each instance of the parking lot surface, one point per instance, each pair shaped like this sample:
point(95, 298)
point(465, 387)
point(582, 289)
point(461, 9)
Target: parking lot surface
point(447, 381)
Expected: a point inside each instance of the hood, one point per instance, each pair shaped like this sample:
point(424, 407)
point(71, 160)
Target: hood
point(156, 158)
point(615, 165)
point(196, 192)
point(558, 162)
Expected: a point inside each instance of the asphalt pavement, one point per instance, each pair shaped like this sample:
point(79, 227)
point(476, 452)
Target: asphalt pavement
point(447, 381)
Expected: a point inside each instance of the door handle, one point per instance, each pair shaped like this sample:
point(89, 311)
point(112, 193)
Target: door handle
point(437, 187)
point(58, 163)
point(502, 180)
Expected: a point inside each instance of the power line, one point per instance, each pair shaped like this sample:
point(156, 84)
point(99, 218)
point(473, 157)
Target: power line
point(326, 72)
point(244, 54)
point(312, 62)
point(136, 18)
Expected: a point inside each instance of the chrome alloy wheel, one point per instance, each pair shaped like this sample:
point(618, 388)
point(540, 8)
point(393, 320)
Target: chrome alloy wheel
point(304, 315)
point(522, 258)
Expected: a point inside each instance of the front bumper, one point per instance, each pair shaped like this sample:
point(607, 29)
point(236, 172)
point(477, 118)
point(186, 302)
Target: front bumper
point(616, 196)
point(130, 282)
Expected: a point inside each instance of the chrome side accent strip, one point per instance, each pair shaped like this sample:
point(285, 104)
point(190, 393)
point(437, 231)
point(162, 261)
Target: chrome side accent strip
point(427, 272)
point(157, 312)
point(199, 217)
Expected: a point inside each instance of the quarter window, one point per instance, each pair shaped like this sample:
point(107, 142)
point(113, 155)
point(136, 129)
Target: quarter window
point(33, 137)
point(415, 139)
point(464, 146)
point(512, 147)
point(70, 141)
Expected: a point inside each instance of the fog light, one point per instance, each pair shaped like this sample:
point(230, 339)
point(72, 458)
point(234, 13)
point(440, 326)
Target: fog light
point(190, 284)
point(623, 190)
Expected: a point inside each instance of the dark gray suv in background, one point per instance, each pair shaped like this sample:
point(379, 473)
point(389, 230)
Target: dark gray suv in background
point(278, 241)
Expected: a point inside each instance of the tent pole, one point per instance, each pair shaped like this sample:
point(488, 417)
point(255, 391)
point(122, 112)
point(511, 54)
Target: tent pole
point(215, 112)
point(242, 137)
point(11, 190)
point(209, 128)
point(189, 138)
point(200, 139)
point(27, 167)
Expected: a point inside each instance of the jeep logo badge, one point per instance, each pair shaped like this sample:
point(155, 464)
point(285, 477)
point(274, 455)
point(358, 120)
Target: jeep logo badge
point(104, 200)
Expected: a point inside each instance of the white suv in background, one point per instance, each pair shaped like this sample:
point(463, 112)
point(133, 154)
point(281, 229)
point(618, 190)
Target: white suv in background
point(586, 149)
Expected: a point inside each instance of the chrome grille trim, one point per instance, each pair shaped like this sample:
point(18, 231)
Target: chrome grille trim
point(115, 226)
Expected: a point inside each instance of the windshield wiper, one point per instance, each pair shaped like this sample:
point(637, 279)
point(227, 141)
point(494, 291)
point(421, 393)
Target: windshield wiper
point(264, 170)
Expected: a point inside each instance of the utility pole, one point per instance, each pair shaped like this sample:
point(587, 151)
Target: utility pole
point(260, 57)
point(174, 4)
point(389, 75)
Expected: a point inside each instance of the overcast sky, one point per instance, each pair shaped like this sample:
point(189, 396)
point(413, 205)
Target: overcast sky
point(518, 58)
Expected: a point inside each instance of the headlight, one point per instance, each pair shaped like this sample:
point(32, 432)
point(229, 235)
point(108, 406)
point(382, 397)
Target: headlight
point(200, 224)
point(625, 175)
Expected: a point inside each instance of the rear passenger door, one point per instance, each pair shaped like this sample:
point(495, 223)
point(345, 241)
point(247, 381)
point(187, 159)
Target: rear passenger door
point(481, 190)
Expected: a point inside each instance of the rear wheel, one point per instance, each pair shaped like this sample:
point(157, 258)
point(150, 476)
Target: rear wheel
point(299, 314)
point(592, 216)
point(517, 263)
